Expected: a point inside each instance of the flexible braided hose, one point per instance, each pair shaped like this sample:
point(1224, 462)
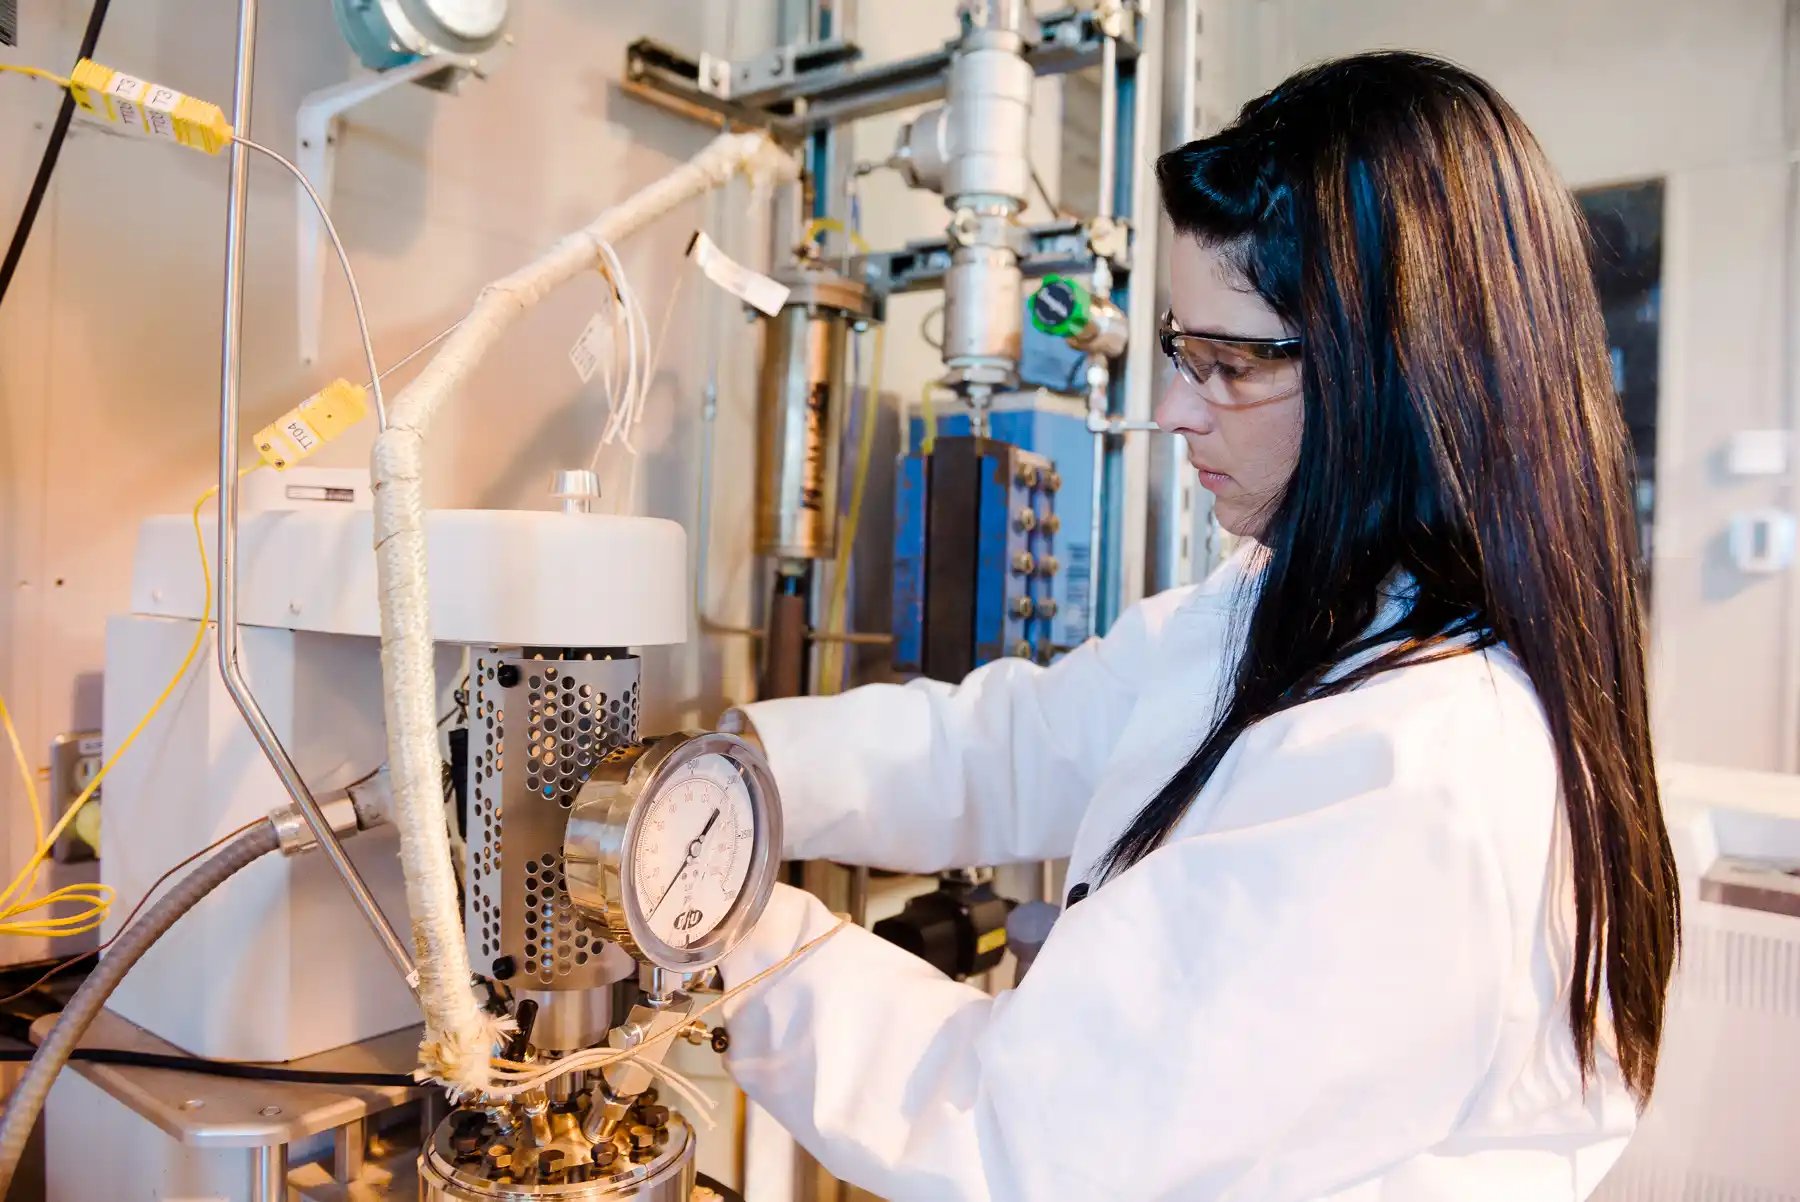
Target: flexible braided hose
point(458, 1034)
point(27, 1100)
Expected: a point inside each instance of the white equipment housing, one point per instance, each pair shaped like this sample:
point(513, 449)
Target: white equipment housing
point(279, 964)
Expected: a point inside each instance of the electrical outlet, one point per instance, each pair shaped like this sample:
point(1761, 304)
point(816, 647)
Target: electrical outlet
point(74, 762)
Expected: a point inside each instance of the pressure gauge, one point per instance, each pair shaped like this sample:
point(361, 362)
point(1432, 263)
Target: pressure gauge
point(387, 33)
point(673, 844)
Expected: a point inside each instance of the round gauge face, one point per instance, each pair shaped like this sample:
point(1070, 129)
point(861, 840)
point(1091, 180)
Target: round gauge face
point(474, 19)
point(693, 849)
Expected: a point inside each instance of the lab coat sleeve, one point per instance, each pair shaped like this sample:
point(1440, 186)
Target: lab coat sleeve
point(925, 776)
point(1271, 1012)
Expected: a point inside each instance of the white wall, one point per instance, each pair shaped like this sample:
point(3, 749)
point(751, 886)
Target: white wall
point(1695, 94)
point(109, 337)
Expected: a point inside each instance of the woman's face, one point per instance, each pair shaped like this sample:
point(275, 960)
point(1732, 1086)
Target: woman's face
point(1244, 452)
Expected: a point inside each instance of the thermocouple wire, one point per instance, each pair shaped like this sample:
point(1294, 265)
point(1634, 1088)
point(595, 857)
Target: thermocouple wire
point(362, 321)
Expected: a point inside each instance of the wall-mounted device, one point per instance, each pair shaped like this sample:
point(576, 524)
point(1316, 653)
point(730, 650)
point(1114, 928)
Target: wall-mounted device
point(392, 33)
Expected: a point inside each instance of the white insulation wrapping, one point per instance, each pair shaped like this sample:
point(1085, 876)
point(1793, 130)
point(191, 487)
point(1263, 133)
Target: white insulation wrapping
point(458, 1033)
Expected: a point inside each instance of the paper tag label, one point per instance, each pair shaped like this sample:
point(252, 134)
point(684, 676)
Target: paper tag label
point(159, 107)
point(588, 348)
point(302, 435)
point(752, 287)
point(127, 93)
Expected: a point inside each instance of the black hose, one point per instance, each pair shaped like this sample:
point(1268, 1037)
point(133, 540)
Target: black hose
point(224, 1068)
point(40, 184)
point(28, 1097)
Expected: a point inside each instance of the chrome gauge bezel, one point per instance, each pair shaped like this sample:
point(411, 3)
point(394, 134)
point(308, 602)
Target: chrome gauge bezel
point(605, 824)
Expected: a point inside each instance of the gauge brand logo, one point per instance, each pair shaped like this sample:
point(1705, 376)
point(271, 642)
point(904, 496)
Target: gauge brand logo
point(688, 920)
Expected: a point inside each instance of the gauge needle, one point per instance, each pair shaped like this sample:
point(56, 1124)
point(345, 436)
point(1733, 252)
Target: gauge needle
point(693, 854)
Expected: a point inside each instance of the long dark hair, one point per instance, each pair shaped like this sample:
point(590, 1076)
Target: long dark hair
point(1461, 426)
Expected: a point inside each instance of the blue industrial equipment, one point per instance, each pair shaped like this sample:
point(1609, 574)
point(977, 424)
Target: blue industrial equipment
point(960, 600)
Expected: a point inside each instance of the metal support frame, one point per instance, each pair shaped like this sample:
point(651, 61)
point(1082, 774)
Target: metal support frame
point(1183, 544)
point(1121, 401)
point(796, 104)
point(1064, 246)
point(349, 1145)
point(230, 381)
point(315, 131)
point(837, 93)
point(1141, 206)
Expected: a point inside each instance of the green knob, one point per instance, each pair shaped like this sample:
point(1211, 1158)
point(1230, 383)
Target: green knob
point(1060, 306)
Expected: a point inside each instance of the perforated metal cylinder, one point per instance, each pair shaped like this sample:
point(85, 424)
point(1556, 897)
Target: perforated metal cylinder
point(538, 723)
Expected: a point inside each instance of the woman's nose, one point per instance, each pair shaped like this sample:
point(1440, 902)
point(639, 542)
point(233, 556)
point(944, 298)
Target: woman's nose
point(1181, 407)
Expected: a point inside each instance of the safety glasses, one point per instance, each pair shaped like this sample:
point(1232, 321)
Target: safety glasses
point(1232, 372)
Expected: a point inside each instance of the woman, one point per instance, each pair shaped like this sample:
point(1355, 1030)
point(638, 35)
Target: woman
point(1375, 900)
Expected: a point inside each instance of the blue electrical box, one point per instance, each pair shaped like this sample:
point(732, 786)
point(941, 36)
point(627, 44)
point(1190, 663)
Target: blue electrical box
point(961, 537)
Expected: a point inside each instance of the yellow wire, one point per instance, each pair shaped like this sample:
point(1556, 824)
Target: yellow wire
point(36, 73)
point(832, 671)
point(25, 774)
point(819, 225)
point(928, 444)
point(28, 874)
point(95, 897)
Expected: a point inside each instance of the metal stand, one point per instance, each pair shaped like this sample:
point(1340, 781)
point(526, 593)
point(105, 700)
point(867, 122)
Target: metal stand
point(209, 1113)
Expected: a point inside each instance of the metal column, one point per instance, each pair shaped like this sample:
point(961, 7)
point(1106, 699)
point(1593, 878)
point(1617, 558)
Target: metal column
point(1181, 546)
point(269, 1173)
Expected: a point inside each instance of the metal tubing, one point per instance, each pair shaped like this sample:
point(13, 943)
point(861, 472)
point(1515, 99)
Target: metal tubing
point(1107, 186)
point(1141, 208)
point(269, 1171)
point(1099, 380)
point(1177, 556)
point(709, 416)
point(230, 378)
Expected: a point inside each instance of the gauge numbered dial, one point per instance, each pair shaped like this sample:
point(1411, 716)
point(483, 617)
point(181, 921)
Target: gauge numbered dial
point(673, 845)
point(692, 854)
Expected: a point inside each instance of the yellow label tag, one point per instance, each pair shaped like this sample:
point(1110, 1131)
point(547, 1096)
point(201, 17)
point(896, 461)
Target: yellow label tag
point(989, 942)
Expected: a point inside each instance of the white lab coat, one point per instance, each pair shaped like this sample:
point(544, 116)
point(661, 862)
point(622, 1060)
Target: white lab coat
point(1342, 978)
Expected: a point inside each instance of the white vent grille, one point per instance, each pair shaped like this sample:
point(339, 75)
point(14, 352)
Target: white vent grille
point(1644, 1183)
point(1742, 970)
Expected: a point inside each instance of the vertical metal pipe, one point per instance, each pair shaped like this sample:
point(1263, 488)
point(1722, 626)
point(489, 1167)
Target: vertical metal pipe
point(1177, 555)
point(230, 379)
point(1107, 186)
point(1099, 381)
point(348, 1145)
point(1141, 207)
point(269, 1174)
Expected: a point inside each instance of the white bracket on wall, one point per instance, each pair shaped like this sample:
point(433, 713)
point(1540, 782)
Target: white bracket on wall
point(316, 131)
